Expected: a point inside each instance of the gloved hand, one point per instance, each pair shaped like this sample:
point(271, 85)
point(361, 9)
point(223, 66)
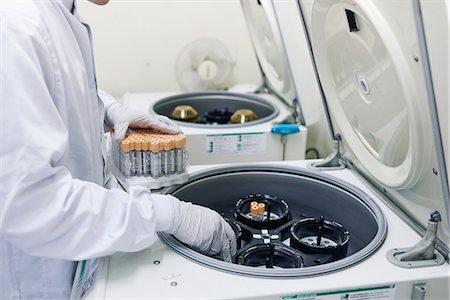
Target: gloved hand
point(121, 117)
point(199, 227)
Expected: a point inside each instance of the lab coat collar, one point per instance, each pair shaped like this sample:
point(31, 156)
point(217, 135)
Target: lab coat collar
point(76, 14)
point(69, 4)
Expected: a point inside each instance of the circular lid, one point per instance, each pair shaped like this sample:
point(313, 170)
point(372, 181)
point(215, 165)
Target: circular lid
point(372, 94)
point(268, 44)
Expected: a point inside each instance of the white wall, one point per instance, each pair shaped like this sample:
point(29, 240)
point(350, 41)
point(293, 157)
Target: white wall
point(136, 42)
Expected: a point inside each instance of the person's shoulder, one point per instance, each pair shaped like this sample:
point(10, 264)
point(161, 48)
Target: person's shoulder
point(26, 16)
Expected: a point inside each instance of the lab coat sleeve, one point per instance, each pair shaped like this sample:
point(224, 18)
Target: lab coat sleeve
point(44, 211)
point(107, 100)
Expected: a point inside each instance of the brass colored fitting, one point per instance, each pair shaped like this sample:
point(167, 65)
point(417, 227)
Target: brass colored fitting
point(184, 113)
point(243, 116)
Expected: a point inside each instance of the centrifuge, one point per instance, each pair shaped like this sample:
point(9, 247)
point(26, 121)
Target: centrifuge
point(371, 221)
point(244, 123)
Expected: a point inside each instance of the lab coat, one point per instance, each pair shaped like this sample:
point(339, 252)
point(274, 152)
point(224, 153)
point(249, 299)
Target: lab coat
point(54, 209)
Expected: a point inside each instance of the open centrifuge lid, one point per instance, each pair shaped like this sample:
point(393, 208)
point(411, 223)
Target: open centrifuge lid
point(269, 48)
point(369, 62)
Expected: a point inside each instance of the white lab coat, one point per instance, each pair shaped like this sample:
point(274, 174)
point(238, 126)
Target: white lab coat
point(53, 207)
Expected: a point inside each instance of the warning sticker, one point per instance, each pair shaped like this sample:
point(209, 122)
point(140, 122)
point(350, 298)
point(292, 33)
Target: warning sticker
point(378, 293)
point(240, 144)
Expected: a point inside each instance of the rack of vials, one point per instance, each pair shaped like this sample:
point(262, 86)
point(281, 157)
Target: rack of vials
point(150, 158)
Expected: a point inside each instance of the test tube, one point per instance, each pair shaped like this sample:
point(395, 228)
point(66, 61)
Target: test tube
point(138, 157)
point(155, 159)
point(132, 158)
point(125, 159)
point(130, 162)
point(163, 162)
point(156, 164)
point(178, 160)
point(172, 162)
point(261, 210)
point(185, 160)
point(254, 209)
point(166, 157)
point(180, 155)
point(145, 158)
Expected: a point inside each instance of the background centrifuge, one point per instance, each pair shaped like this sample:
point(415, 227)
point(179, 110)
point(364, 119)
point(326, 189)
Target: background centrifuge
point(240, 124)
point(362, 224)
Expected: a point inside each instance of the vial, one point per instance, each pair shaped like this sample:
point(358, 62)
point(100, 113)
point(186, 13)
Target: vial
point(125, 158)
point(138, 159)
point(155, 159)
point(145, 158)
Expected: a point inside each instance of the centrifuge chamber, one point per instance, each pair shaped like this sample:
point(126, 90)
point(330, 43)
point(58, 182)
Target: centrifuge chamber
point(290, 196)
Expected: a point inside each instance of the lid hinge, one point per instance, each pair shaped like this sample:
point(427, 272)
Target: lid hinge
point(422, 254)
point(296, 117)
point(296, 112)
point(332, 161)
point(262, 88)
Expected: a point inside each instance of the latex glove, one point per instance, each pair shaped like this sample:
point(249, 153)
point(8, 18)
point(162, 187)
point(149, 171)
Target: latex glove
point(121, 118)
point(201, 228)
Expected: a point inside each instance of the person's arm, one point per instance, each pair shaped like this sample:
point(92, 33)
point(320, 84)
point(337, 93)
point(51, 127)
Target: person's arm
point(46, 212)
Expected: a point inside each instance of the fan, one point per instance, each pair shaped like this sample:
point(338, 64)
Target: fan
point(204, 64)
